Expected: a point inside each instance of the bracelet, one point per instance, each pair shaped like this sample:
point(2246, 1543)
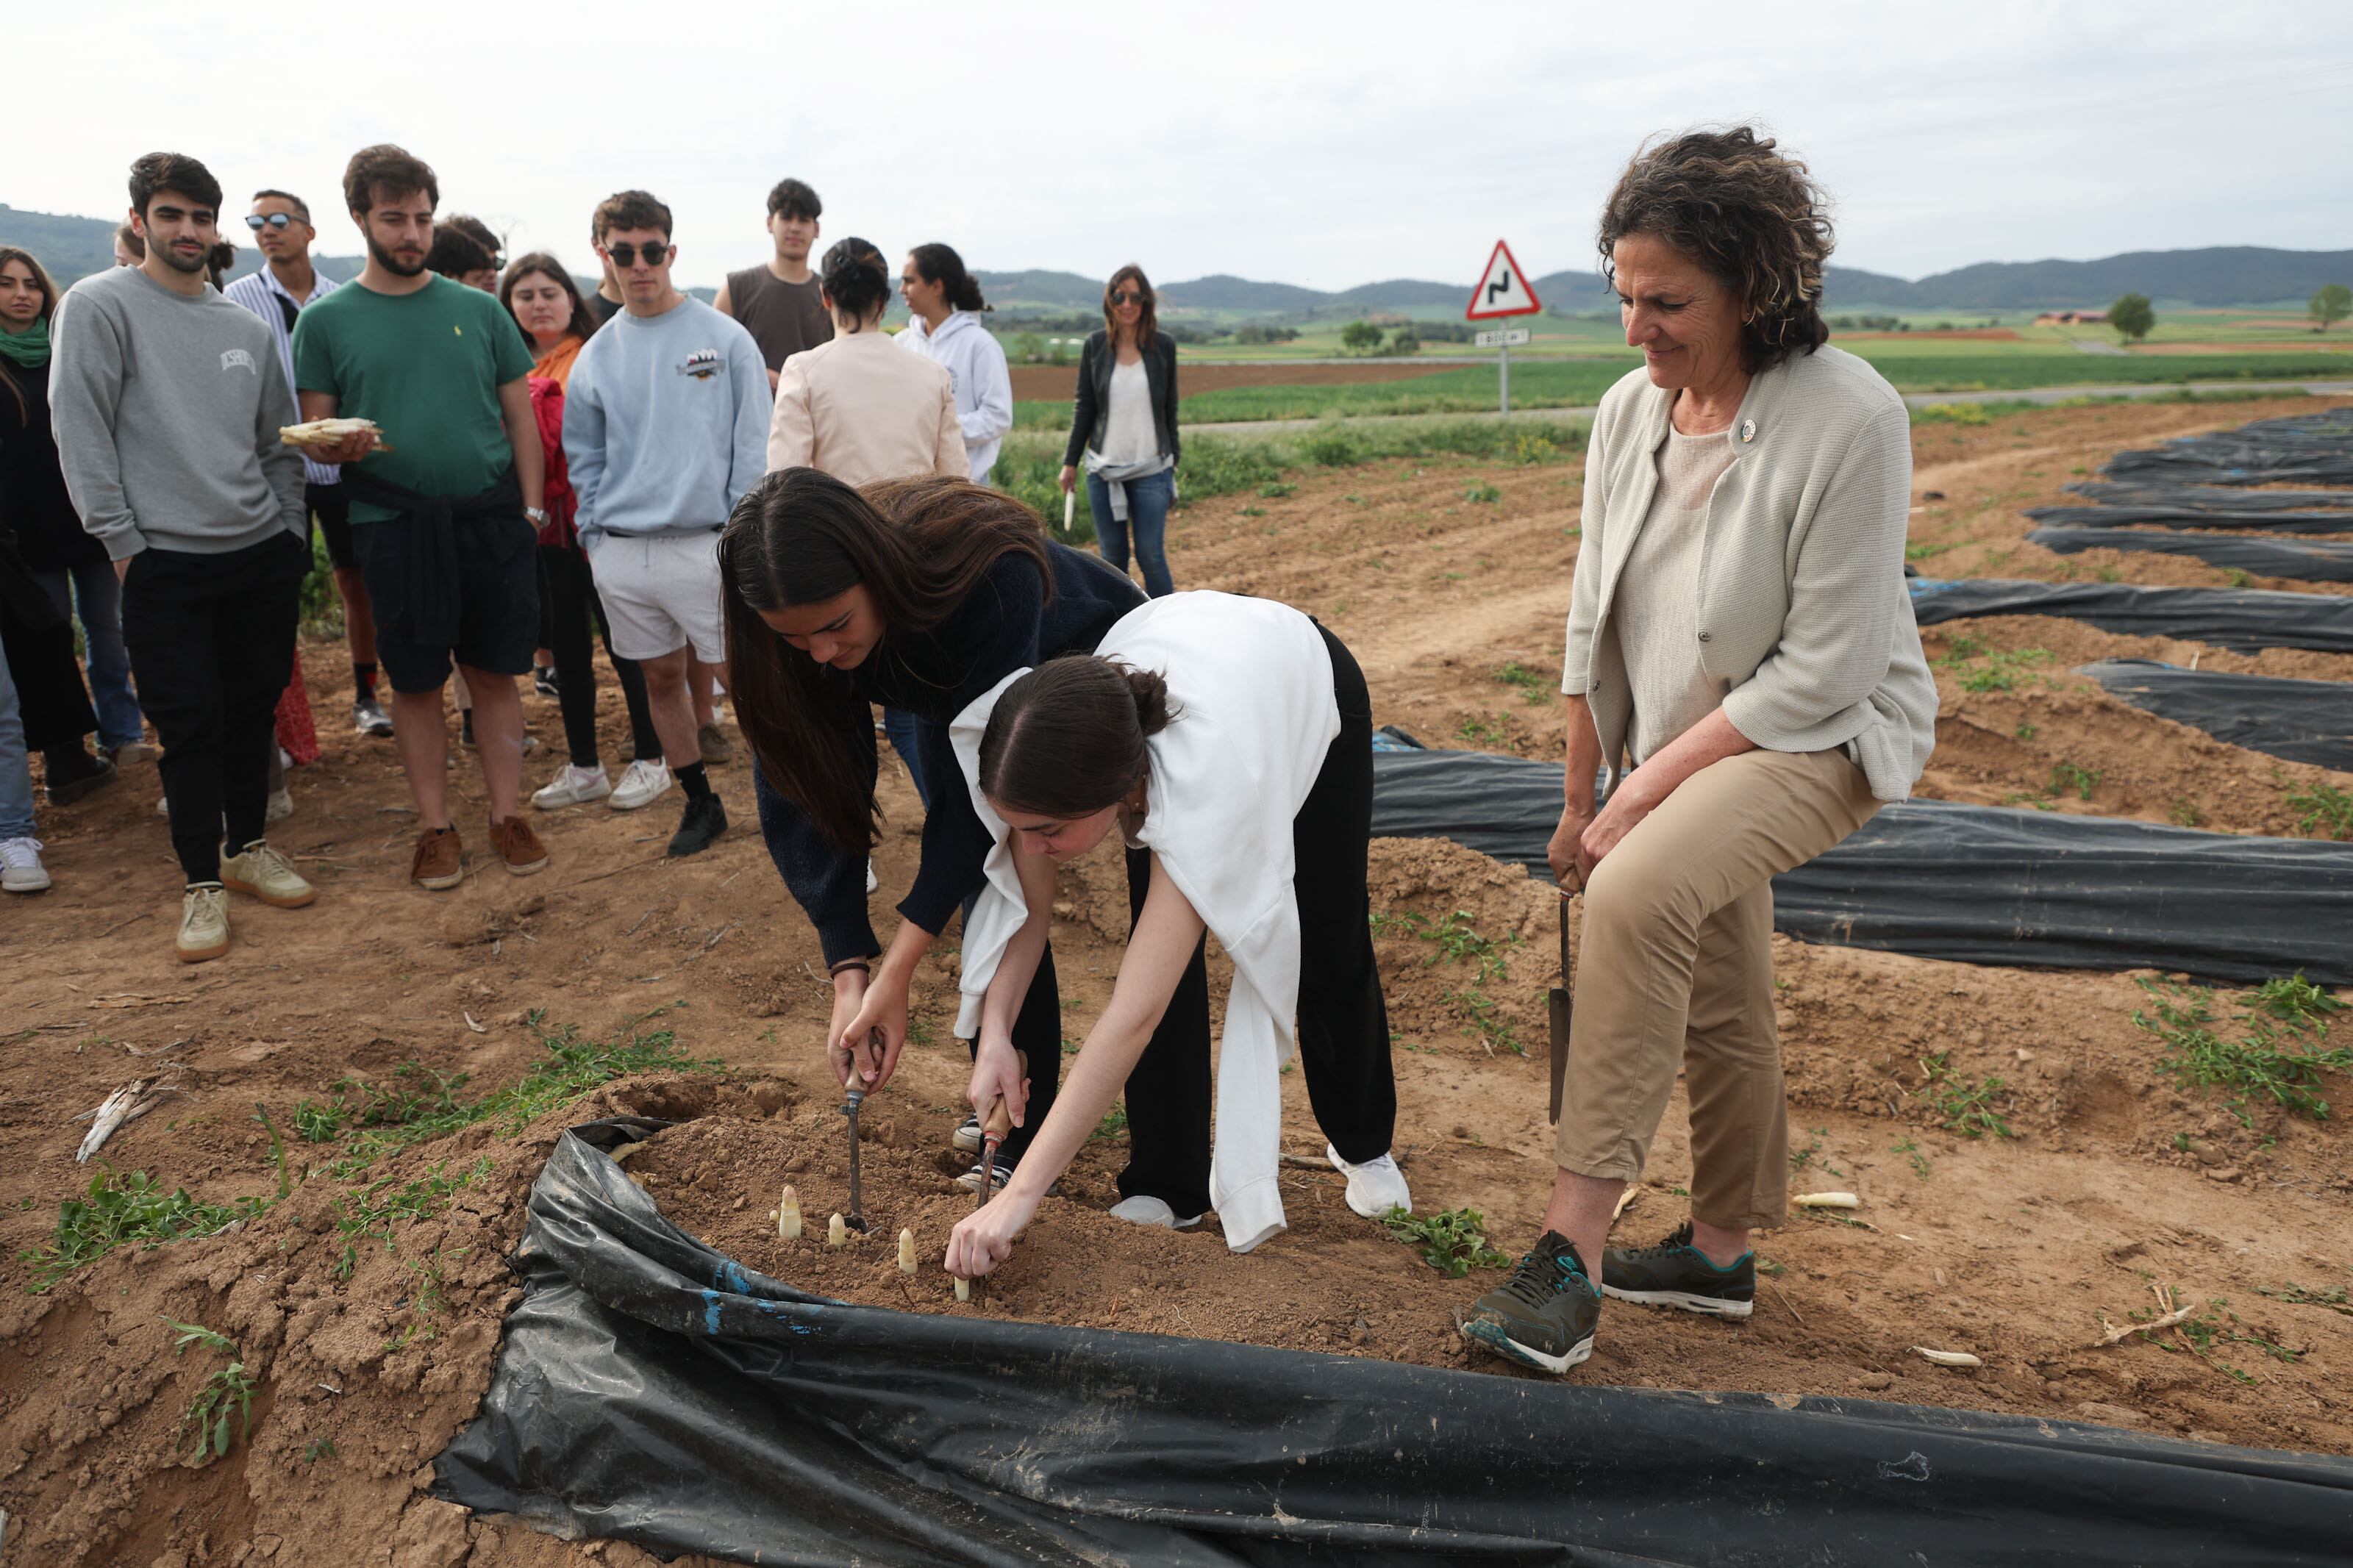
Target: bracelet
point(863, 966)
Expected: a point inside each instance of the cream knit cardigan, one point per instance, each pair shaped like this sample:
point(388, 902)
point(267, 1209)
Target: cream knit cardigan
point(1802, 609)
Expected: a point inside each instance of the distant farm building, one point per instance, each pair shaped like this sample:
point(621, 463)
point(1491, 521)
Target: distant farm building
point(2072, 319)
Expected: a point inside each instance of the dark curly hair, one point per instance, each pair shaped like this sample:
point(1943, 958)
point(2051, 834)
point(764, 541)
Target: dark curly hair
point(1754, 219)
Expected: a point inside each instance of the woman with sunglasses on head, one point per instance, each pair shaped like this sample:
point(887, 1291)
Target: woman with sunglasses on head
point(919, 594)
point(945, 303)
point(1230, 739)
point(546, 304)
point(1124, 428)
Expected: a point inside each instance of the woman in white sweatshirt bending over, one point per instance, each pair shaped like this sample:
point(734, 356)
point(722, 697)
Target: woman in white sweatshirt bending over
point(1232, 738)
point(945, 303)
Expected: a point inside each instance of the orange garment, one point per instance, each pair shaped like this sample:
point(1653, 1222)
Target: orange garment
point(556, 362)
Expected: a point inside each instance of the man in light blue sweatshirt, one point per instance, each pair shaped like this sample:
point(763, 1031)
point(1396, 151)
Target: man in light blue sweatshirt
point(665, 428)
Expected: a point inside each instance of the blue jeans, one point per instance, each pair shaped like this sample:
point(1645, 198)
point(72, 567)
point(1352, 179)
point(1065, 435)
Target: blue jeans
point(900, 726)
point(15, 777)
point(97, 598)
point(1147, 514)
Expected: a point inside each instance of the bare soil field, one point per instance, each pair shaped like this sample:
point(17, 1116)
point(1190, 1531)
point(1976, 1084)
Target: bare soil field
point(365, 1307)
point(1982, 334)
point(1041, 383)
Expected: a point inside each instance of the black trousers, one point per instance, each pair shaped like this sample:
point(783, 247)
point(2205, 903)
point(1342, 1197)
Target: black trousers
point(571, 603)
point(1343, 1023)
point(211, 640)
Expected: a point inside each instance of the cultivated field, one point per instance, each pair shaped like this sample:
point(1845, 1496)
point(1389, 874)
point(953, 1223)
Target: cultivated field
point(2028, 1170)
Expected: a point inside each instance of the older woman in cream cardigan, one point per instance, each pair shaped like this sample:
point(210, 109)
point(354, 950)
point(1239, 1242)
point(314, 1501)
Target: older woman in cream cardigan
point(1739, 631)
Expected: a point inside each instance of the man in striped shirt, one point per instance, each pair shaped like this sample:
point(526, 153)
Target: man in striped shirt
point(276, 293)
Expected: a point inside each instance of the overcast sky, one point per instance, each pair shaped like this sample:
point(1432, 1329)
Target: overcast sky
point(1327, 146)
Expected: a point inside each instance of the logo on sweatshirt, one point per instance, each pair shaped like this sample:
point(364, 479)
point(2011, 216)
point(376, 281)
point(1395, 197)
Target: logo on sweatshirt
point(702, 365)
point(232, 357)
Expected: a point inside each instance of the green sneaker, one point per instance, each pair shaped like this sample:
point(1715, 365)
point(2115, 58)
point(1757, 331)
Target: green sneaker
point(1675, 1273)
point(1542, 1315)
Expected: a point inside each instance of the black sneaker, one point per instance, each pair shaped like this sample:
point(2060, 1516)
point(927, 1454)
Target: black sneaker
point(703, 820)
point(1675, 1273)
point(543, 680)
point(74, 772)
point(1543, 1315)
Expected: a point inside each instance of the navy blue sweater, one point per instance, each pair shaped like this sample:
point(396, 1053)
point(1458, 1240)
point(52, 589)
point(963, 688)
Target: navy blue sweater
point(1007, 623)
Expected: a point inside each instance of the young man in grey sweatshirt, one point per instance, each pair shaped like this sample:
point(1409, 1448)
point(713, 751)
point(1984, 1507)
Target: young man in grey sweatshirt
point(168, 401)
point(665, 428)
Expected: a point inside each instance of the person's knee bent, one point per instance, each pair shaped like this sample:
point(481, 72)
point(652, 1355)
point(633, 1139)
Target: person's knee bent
point(665, 670)
point(1627, 896)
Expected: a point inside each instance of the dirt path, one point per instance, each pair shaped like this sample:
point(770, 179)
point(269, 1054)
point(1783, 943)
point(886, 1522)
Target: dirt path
point(2016, 1248)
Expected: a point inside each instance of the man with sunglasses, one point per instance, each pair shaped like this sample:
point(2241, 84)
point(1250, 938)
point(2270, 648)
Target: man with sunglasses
point(286, 282)
point(665, 428)
point(446, 494)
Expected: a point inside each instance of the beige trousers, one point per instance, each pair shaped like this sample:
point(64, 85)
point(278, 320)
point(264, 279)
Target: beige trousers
point(1676, 966)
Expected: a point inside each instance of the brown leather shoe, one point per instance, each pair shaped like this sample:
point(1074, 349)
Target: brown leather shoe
point(440, 860)
point(518, 846)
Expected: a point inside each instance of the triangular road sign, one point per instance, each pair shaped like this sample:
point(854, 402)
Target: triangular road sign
point(1504, 290)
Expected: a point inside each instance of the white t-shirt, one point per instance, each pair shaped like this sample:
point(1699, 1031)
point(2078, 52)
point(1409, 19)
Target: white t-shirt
point(1129, 434)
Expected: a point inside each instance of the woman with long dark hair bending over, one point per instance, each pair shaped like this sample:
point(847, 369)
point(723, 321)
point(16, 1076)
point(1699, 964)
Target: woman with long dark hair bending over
point(920, 594)
point(1229, 740)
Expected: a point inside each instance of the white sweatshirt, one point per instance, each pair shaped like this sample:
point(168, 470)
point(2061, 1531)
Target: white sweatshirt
point(983, 388)
point(1252, 683)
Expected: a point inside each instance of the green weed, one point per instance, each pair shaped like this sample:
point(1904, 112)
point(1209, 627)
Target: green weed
point(1534, 687)
point(1483, 494)
point(2330, 1297)
point(2208, 1334)
point(1454, 1242)
point(1962, 1105)
point(1911, 1151)
point(2277, 1052)
point(226, 1392)
point(369, 1212)
point(1114, 1121)
point(2070, 776)
point(2184, 813)
point(318, 1448)
point(2323, 810)
point(120, 1207)
point(1811, 1155)
point(2024, 732)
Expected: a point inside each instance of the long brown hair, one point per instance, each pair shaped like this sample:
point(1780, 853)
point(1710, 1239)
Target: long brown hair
point(584, 319)
point(801, 536)
point(1067, 739)
point(49, 287)
point(1147, 321)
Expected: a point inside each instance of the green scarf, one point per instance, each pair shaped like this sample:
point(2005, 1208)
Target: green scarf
point(30, 348)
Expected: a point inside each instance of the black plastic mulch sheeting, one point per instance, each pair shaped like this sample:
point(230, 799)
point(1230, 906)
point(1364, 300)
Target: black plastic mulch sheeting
point(1975, 884)
point(2209, 498)
point(2304, 449)
point(2312, 561)
point(2259, 519)
point(2245, 620)
point(2302, 720)
point(652, 1389)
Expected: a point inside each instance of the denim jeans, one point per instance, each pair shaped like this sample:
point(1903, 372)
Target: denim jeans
point(900, 726)
point(97, 598)
point(15, 776)
point(1147, 514)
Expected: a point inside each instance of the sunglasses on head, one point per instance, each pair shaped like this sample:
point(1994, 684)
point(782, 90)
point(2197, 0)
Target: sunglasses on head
point(254, 221)
point(1127, 297)
point(627, 254)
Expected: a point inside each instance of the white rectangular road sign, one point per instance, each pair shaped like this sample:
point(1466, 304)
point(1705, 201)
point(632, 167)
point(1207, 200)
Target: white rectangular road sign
point(1509, 338)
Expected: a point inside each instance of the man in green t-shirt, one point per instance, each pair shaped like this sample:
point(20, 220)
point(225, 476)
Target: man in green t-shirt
point(445, 496)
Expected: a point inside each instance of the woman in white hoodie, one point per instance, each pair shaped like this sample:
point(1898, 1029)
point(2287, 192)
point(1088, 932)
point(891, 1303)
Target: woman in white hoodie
point(946, 304)
point(1232, 738)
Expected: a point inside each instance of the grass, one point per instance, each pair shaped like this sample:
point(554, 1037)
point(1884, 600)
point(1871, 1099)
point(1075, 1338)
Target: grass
point(1459, 942)
point(2276, 1051)
point(1910, 1149)
point(128, 1207)
point(2330, 1297)
point(1534, 687)
point(1963, 1105)
point(2323, 811)
point(1811, 1155)
point(1454, 1242)
point(369, 1212)
point(2208, 1334)
point(1114, 1121)
point(226, 1392)
point(2072, 777)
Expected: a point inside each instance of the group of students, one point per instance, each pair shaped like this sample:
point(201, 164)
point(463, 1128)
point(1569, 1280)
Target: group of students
point(774, 488)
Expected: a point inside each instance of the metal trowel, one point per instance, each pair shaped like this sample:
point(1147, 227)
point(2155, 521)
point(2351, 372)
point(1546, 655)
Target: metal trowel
point(1559, 1006)
point(856, 1219)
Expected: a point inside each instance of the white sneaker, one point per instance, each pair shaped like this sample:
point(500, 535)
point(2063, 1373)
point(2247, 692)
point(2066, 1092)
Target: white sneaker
point(21, 870)
point(642, 784)
point(203, 923)
point(1375, 1187)
point(1143, 1209)
point(261, 873)
point(282, 805)
point(575, 785)
point(164, 807)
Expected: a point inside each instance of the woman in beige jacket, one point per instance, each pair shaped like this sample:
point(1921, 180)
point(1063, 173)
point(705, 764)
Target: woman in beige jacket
point(1738, 628)
point(859, 407)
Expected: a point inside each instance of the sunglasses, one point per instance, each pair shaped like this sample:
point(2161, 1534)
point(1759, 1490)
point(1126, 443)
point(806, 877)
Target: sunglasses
point(627, 254)
point(1127, 297)
point(256, 221)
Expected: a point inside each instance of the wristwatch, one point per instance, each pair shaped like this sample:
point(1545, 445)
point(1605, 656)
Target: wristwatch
point(537, 514)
